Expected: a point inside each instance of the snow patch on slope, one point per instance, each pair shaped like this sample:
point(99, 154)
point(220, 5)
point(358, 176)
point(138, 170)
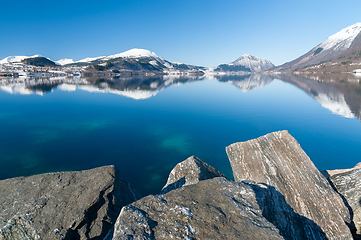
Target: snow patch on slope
point(86, 60)
point(343, 39)
point(12, 59)
point(64, 61)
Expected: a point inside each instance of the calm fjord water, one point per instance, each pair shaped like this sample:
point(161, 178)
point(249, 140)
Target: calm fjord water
point(74, 128)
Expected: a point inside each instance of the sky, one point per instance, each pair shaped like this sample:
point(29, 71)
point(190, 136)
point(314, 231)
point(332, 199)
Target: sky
point(198, 32)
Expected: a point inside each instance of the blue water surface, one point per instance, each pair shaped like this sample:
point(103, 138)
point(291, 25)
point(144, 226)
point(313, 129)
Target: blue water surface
point(145, 139)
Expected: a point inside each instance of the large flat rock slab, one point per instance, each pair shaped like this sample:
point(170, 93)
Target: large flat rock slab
point(214, 209)
point(64, 205)
point(278, 160)
point(190, 171)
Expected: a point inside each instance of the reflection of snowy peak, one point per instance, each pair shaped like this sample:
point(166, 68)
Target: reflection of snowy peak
point(254, 63)
point(339, 101)
point(253, 82)
point(134, 93)
point(19, 89)
point(336, 104)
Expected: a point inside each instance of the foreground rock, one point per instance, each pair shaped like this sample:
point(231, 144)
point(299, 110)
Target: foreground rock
point(214, 209)
point(278, 160)
point(190, 171)
point(348, 185)
point(19, 227)
point(65, 205)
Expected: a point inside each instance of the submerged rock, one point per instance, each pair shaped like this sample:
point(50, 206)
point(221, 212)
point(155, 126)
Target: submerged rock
point(190, 171)
point(64, 205)
point(214, 209)
point(278, 160)
point(348, 185)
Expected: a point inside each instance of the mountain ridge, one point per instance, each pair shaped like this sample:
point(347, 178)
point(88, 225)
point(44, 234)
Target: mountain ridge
point(245, 64)
point(337, 47)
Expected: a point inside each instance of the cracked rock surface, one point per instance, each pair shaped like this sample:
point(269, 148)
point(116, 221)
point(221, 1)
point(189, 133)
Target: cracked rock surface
point(278, 160)
point(214, 209)
point(65, 205)
point(19, 227)
point(348, 185)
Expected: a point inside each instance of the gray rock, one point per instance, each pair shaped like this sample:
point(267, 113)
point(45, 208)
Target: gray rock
point(67, 205)
point(348, 184)
point(329, 173)
point(19, 227)
point(214, 209)
point(278, 160)
point(190, 171)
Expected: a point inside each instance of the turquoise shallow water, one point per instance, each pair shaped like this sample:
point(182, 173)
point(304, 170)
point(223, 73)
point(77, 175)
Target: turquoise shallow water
point(78, 129)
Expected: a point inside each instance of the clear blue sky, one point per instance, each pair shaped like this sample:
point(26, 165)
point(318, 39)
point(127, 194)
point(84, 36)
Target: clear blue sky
point(197, 32)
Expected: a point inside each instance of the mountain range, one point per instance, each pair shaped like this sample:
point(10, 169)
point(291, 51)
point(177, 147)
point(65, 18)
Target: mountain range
point(340, 52)
point(135, 61)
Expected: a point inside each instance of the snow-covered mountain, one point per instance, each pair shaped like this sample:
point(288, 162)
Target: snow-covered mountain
point(129, 63)
point(256, 64)
point(132, 53)
point(137, 60)
point(345, 44)
point(13, 59)
point(245, 63)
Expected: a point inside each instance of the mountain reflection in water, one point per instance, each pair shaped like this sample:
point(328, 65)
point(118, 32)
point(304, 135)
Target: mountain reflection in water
point(341, 94)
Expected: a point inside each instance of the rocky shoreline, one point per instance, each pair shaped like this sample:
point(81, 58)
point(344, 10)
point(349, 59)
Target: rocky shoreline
point(278, 193)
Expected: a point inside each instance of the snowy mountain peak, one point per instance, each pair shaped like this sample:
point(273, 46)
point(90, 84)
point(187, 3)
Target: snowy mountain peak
point(254, 63)
point(342, 39)
point(336, 48)
point(13, 59)
point(134, 53)
point(64, 61)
